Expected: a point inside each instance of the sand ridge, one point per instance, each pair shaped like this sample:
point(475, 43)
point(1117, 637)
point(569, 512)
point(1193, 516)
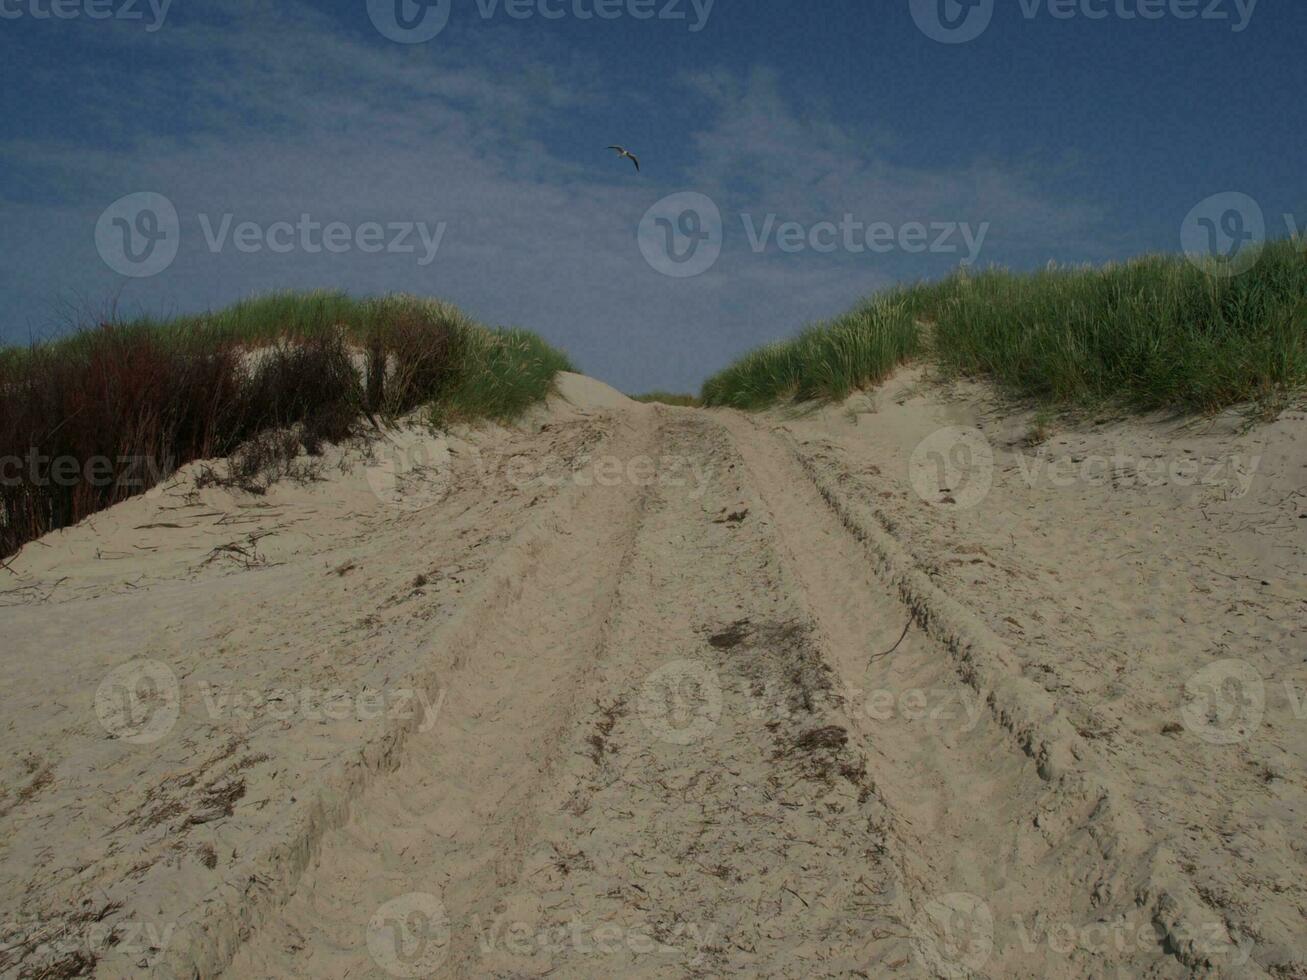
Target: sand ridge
point(633, 690)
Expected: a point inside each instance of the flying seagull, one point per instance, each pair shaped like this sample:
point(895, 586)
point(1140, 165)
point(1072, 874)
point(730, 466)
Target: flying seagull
point(626, 154)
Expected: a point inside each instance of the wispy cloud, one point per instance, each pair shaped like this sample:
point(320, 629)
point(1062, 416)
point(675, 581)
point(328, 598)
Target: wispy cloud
point(286, 112)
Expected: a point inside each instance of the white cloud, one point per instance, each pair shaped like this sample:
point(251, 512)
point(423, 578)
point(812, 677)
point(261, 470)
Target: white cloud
point(283, 112)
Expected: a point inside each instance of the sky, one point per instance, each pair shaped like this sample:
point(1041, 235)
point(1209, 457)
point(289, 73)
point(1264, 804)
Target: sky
point(171, 156)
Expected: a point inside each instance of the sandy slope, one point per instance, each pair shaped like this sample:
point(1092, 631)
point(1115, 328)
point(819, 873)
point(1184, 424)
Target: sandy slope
point(612, 693)
point(1152, 578)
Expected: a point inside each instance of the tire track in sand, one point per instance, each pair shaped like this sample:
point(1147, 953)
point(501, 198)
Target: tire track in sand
point(712, 818)
point(1018, 860)
point(672, 756)
point(380, 898)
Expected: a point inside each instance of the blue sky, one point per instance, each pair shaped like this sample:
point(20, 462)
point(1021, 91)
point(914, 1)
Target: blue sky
point(1045, 137)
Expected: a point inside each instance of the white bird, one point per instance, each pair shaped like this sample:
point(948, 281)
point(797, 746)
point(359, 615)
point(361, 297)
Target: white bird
point(626, 154)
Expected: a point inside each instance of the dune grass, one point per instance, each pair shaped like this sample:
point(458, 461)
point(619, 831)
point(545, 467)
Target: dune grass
point(499, 374)
point(1156, 332)
point(94, 418)
point(826, 361)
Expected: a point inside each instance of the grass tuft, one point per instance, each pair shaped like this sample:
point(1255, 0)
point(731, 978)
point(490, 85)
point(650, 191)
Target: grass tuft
point(1157, 332)
point(826, 361)
point(97, 417)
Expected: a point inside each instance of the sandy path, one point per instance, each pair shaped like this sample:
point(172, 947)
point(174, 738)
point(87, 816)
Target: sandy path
point(1149, 578)
point(453, 820)
point(684, 798)
point(677, 728)
point(711, 772)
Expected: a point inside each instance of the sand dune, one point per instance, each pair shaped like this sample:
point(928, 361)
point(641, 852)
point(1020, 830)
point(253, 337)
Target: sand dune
point(624, 690)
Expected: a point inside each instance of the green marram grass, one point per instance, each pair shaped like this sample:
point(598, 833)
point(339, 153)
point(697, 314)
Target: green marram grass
point(465, 371)
point(826, 361)
point(491, 373)
point(259, 382)
point(1159, 332)
point(499, 374)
